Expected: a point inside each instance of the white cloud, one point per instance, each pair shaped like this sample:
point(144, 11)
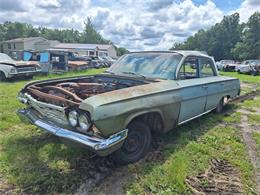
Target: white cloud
point(134, 24)
point(247, 8)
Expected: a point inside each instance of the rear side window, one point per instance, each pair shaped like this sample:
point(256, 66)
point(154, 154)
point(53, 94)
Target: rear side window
point(206, 68)
point(189, 69)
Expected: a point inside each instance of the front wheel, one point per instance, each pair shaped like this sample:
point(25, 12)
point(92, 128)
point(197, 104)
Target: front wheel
point(2, 76)
point(135, 146)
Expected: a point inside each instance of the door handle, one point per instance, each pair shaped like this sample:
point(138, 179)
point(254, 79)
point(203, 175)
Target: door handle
point(205, 86)
point(222, 83)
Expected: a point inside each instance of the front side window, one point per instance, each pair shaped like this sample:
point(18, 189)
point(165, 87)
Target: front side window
point(189, 69)
point(206, 68)
point(153, 65)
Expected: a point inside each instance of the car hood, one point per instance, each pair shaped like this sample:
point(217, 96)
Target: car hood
point(19, 63)
point(127, 94)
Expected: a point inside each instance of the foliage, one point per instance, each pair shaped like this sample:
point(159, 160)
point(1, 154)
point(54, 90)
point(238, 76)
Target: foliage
point(249, 46)
point(228, 39)
point(11, 30)
point(121, 51)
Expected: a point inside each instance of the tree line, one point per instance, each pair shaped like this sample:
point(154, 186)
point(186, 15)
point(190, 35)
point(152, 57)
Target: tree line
point(227, 39)
point(12, 30)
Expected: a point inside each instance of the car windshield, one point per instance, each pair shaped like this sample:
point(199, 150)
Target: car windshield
point(153, 65)
point(5, 58)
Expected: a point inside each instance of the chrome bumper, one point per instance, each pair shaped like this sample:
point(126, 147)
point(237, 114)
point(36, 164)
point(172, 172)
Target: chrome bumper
point(94, 143)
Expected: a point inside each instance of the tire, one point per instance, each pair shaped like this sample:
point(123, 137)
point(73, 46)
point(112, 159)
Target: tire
point(136, 145)
point(2, 76)
point(253, 73)
point(220, 106)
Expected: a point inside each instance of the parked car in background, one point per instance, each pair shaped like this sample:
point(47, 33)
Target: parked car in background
point(248, 66)
point(141, 94)
point(221, 65)
point(109, 60)
point(255, 68)
point(230, 67)
point(96, 62)
point(10, 68)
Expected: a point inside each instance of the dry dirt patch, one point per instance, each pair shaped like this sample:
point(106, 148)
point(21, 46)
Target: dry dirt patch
point(219, 178)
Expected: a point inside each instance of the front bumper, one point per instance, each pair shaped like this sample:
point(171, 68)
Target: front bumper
point(101, 146)
point(21, 74)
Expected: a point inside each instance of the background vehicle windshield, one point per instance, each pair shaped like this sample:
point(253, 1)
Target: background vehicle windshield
point(5, 58)
point(155, 65)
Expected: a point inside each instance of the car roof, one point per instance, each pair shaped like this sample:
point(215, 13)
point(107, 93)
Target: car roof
point(182, 52)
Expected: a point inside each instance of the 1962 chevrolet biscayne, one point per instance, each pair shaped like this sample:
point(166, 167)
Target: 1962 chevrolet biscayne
point(117, 112)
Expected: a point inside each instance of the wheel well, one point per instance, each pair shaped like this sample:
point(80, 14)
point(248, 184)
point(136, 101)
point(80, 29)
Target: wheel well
point(153, 120)
point(1, 72)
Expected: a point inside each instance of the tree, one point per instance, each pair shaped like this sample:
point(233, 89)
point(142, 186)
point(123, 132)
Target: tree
point(90, 35)
point(249, 46)
point(121, 51)
point(11, 30)
point(218, 41)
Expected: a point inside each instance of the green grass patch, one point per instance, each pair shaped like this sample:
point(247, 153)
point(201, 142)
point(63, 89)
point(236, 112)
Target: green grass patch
point(31, 159)
point(256, 137)
point(188, 151)
point(254, 119)
point(243, 77)
point(251, 105)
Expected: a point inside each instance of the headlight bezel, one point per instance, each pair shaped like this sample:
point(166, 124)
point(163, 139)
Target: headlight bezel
point(76, 119)
point(13, 70)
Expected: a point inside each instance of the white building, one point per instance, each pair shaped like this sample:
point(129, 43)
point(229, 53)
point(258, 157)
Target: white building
point(30, 43)
point(88, 49)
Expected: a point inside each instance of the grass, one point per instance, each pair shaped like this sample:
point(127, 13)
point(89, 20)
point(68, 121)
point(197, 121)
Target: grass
point(188, 151)
point(243, 77)
point(29, 158)
point(256, 137)
point(39, 164)
point(254, 119)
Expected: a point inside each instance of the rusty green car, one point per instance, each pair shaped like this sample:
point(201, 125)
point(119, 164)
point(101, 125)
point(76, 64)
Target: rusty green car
point(117, 112)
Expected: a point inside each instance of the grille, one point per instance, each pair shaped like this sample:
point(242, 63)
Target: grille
point(25, 69)
point(54, 113)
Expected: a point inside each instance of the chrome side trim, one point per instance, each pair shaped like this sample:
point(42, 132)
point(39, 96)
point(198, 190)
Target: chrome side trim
point(94, 143)
point(185, 121)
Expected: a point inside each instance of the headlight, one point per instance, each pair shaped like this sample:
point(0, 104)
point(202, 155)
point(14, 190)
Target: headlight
point(73, 118)
point(84, 122)
point(13, 70)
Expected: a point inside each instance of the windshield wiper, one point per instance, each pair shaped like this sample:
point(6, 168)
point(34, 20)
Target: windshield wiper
point(134, 73)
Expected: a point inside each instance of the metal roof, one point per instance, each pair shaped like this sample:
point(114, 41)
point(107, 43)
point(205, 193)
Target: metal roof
point(82, 46)
point(182, 52)
point(24, 39)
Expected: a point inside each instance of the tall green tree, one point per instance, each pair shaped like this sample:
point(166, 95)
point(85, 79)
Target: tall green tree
point(218, 41)
point(249, 46)
point(90, 35)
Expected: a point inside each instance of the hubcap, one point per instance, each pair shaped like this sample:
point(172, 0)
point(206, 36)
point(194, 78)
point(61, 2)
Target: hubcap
point(133, 142)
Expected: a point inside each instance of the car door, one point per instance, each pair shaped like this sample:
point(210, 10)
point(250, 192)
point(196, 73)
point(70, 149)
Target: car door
point(214, 85)
point(193, 90)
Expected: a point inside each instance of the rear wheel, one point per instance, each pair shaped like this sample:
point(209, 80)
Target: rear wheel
point(2, 76)
point(136, 145)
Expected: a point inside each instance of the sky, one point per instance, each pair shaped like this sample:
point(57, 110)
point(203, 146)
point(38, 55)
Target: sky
point(133, 24)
